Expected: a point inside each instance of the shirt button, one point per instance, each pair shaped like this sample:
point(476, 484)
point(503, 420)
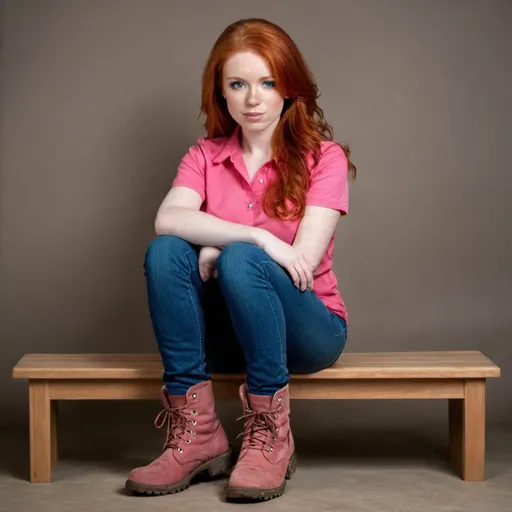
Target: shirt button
point(250, 206)
point(261, 180)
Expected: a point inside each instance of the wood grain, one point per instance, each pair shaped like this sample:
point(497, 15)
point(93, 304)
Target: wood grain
point(40, 432)
point(54, 421)
point(392, 365)
point(320, 389)
point(473, 437)
point(458, 376)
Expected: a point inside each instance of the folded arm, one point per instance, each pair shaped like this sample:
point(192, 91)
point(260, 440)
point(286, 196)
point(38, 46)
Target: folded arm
point(179, 215)
point(315, 232)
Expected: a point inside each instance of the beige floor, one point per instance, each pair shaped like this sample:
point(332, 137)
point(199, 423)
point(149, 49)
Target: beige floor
point(347, 468)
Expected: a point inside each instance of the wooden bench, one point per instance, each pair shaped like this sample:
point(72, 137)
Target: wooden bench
point(458, 376)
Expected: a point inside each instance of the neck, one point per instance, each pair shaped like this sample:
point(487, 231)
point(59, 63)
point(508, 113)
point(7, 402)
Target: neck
point(258, 143)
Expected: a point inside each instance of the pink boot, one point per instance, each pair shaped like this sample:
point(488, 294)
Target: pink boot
point(195, 442)
point(267, 456)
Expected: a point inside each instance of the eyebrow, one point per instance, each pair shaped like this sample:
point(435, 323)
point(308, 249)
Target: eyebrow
point(241, 79)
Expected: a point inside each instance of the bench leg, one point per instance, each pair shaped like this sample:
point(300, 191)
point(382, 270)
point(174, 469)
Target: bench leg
point(40, 432)
point(473, 432)
point(55, 446)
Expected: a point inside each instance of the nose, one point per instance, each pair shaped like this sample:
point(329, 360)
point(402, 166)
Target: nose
point(253, 96)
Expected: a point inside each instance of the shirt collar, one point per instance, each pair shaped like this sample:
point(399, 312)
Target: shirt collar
point(230, 148)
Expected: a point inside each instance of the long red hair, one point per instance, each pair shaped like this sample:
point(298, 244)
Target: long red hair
point(302, 125)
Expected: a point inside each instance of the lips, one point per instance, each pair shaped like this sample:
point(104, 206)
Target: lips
point(253, 117)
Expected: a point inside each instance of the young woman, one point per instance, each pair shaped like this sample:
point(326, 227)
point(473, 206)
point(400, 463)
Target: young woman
point(240, 276)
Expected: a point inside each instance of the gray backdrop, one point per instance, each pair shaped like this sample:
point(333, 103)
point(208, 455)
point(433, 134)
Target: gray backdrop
point(100, 100)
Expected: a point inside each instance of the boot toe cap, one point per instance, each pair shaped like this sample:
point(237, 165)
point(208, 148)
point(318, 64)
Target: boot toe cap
point(143, 476)
point(254, 477)
point(156, 473)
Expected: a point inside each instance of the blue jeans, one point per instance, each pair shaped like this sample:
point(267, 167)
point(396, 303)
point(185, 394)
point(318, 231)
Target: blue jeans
point(251, 319)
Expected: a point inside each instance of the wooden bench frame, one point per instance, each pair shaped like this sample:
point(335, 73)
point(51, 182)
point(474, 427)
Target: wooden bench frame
point(459, 377)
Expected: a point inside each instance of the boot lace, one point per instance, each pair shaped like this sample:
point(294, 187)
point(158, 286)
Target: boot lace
point(175, 419)
point(257, 425)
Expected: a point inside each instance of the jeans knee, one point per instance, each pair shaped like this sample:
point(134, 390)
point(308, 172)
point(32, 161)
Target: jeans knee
point(165, 250)
point(233, 259)
point(238, 267)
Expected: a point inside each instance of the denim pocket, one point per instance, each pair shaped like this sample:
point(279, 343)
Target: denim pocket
point(340, 336)
point(342, 326)
point(343, 333)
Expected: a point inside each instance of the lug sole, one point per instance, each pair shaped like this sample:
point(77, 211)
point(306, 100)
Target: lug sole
point(255, 494)
point(214, 467)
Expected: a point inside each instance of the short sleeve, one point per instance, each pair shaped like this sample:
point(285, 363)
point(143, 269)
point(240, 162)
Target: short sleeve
point(191, 170)
point(329, 179)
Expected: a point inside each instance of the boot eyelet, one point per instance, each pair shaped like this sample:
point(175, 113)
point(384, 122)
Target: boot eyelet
point(274, 416)
point(193, 412)
point(194, 395)
point(194, 422)
point(277, 429)
point(180, 450)
point(192, 432)
point(274, 438)
point(279, 399)
point(188, 441)
point(270, 450)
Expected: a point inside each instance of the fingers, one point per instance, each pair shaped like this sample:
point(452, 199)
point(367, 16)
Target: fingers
point(302, 275)
point(303, 271)
point(311, 279)
point(205, 272)
point(207, 261)
point(294, 275)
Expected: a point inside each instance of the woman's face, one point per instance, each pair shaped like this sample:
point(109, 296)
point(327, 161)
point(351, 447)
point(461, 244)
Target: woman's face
point(249, 87)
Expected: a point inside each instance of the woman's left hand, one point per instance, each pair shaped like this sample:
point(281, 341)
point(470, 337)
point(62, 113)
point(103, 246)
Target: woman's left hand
point(299, 268)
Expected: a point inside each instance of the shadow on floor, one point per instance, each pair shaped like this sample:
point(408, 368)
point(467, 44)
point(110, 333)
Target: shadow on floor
point(355, 447)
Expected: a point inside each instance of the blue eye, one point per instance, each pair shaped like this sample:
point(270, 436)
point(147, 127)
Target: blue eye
point(268, 84)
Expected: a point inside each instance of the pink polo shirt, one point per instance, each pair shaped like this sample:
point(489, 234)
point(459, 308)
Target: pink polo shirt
point(216, 170)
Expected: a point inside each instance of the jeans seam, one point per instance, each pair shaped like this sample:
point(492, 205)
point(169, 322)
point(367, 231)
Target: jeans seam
point(201, 350)
point(343, 327)
point(283, 347)
point(186, 253)
point(340, 351)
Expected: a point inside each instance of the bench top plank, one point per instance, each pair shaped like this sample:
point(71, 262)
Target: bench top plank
point(372, 365)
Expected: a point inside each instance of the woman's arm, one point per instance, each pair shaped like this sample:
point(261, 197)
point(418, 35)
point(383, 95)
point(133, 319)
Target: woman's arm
point(179, 215)
point(314, 233)
point(326, 198)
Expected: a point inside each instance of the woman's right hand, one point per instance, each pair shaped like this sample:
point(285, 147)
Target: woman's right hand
point(288, 257)
point(207, 260)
